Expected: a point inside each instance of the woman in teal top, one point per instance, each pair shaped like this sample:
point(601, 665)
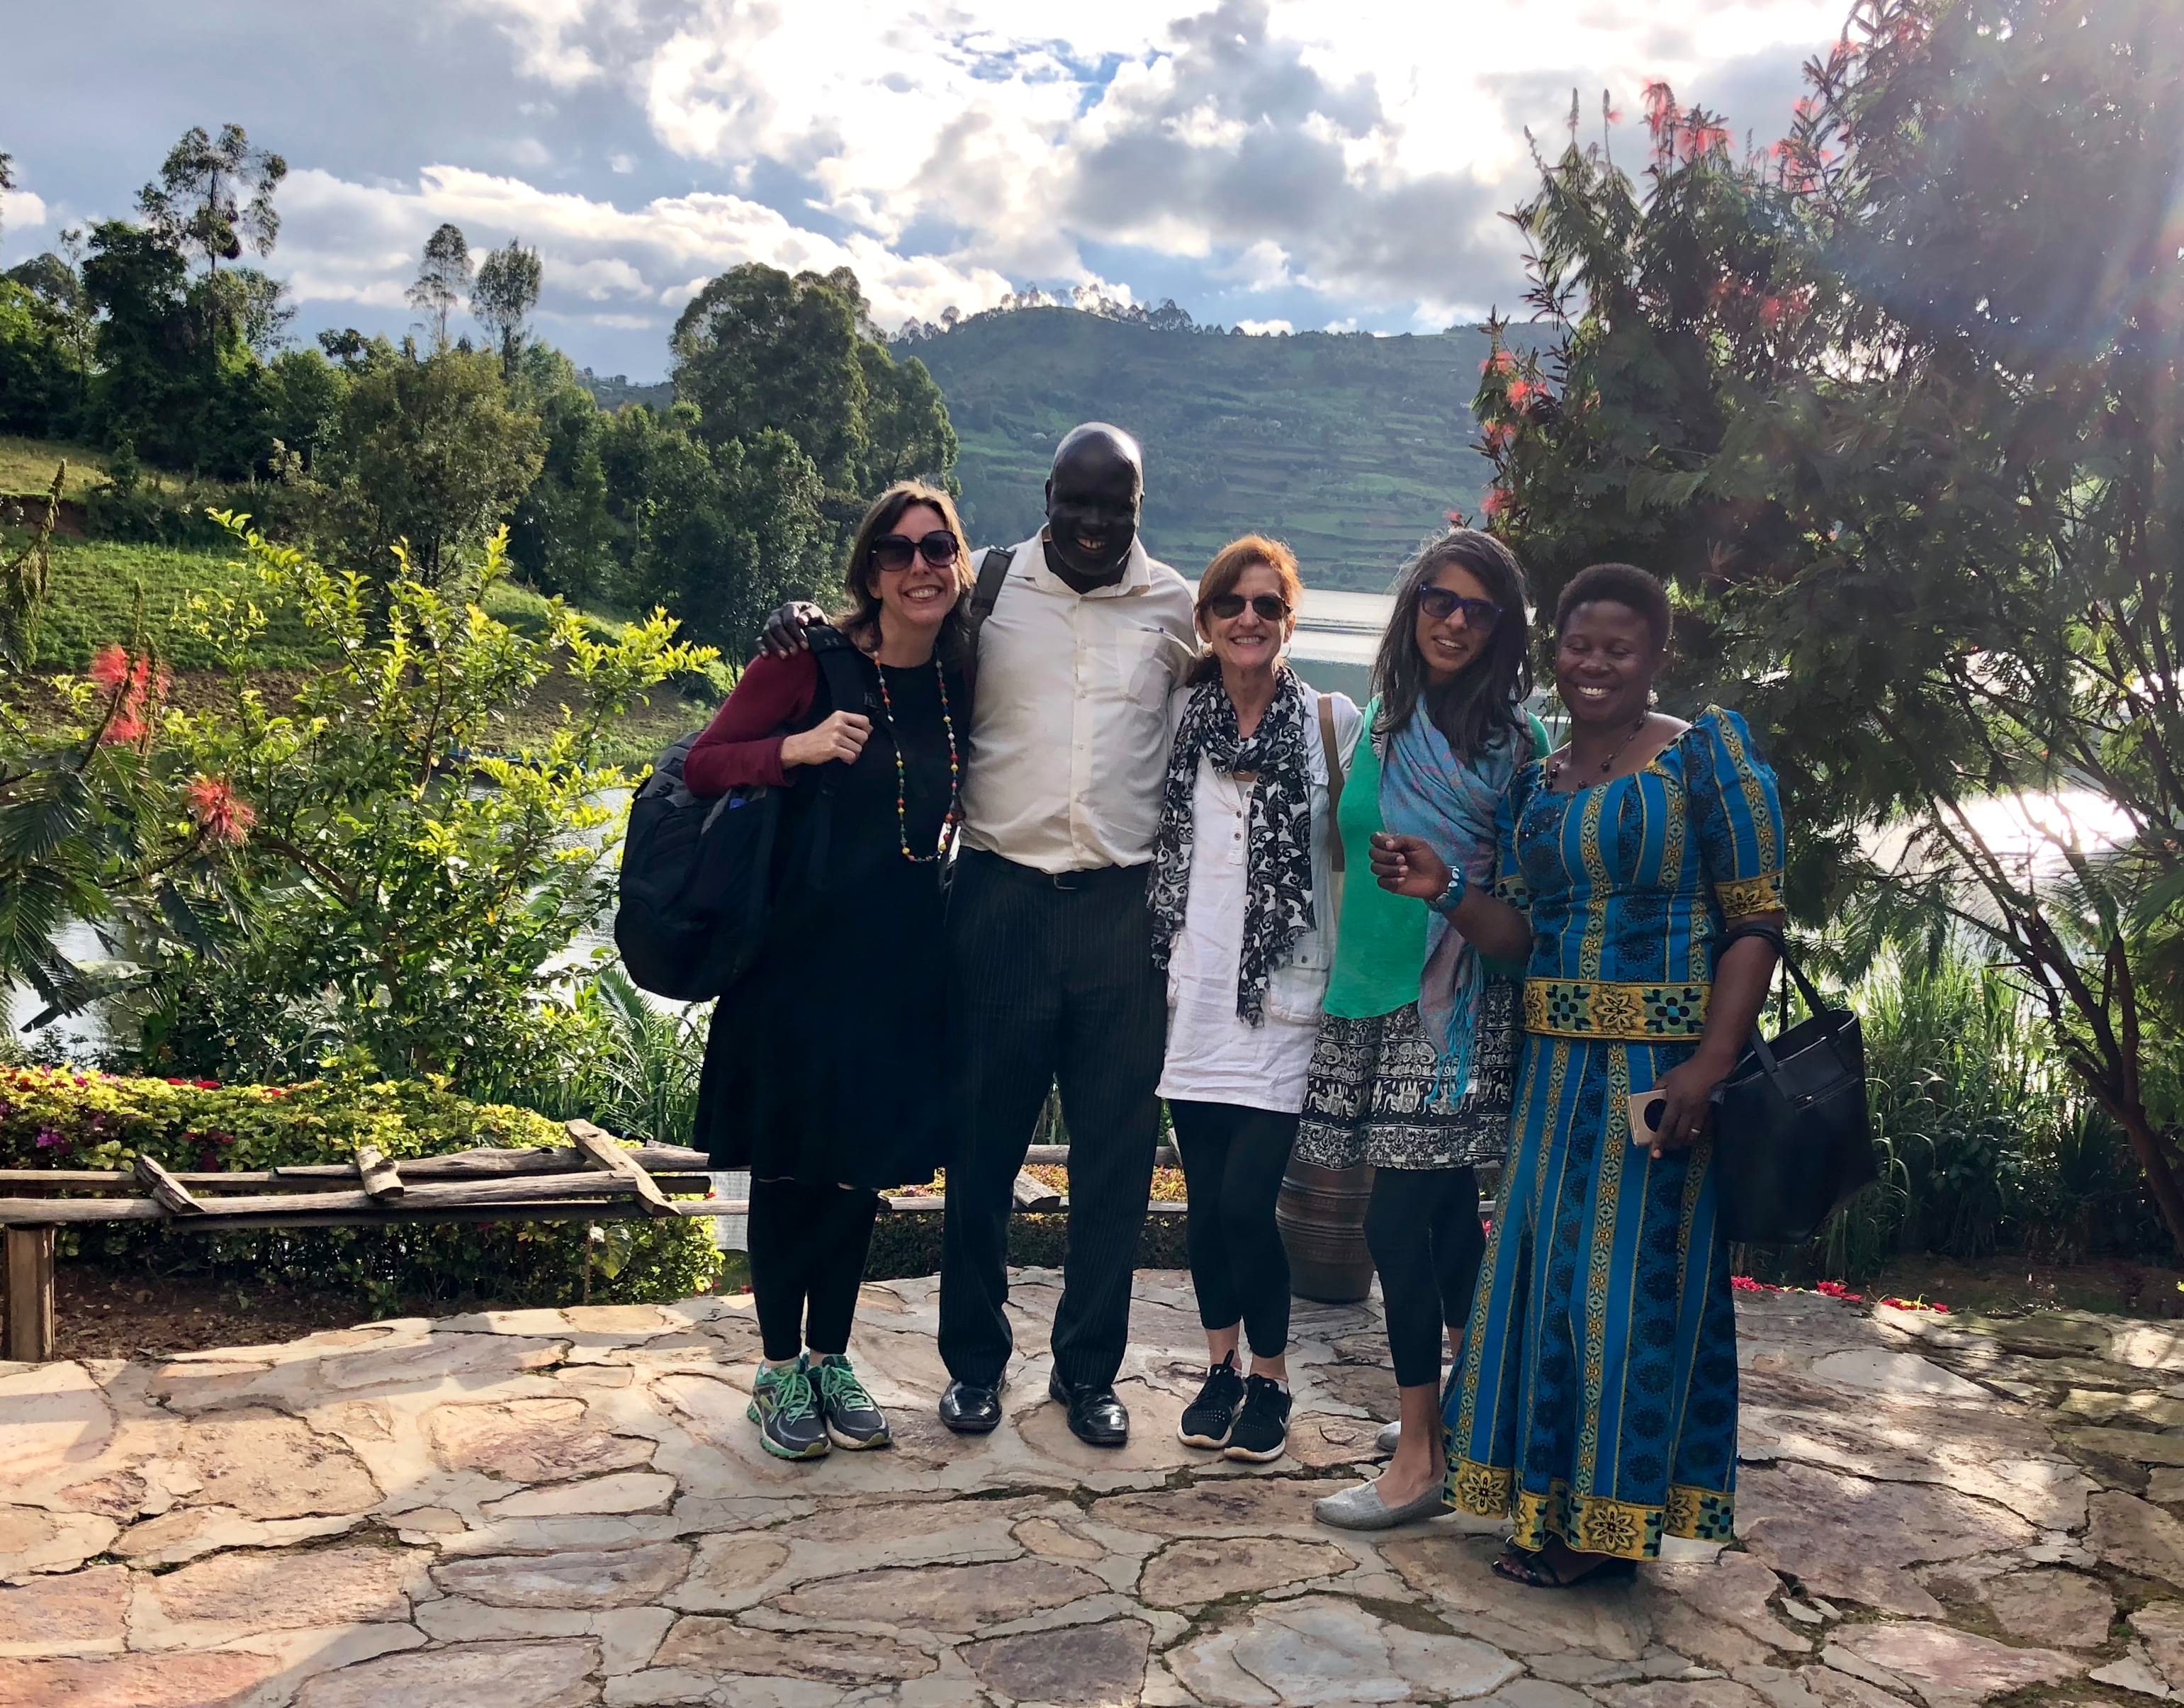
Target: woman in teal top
point(1597, 1402)
point(1413, 1069)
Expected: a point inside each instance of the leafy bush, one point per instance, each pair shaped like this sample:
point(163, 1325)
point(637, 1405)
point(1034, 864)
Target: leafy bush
point(416, 868)
point(63, 1119)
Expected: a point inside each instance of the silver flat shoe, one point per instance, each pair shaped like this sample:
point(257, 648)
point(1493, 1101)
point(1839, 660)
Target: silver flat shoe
point(1384, 1443)
point(1362, 1508)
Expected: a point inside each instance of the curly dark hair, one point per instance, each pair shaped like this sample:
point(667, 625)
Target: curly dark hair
point(1617, 583)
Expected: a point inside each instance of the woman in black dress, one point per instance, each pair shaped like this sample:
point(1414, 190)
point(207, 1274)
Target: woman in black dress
point(825, 1065)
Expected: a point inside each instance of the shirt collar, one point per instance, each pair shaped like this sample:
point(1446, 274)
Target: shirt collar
point(1137, 571)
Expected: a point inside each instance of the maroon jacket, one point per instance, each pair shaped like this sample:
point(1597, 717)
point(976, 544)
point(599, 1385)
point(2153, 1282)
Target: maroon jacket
point(742, 746)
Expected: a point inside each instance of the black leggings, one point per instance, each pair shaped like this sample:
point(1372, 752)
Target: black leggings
point(1233, 1161)
point(1421, 1226)
point(807, 1260)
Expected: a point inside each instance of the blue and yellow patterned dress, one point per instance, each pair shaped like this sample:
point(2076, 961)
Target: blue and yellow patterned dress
point(1597, 1400)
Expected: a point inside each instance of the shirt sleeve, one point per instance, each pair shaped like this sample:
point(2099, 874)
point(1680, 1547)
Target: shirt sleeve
point(742, 746)
point(1736, 814)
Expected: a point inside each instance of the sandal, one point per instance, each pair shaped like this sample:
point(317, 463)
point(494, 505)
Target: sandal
point(1518, 1565)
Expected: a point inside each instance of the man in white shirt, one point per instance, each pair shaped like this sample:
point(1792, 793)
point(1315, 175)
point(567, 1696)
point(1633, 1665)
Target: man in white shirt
point(1052, 976)
point(1051, 981)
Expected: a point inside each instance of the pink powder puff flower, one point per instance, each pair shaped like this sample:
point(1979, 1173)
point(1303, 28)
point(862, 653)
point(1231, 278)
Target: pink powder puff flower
point(109, 669)
point(223, 818)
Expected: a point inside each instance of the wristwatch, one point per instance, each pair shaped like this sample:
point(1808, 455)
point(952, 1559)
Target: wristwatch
point(1452, 898)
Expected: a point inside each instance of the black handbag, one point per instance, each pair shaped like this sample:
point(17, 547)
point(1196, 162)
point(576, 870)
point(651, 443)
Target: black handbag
point(1791, 1140)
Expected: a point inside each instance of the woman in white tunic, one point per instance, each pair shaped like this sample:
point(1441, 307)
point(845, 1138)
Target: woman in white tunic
point(1243, 919)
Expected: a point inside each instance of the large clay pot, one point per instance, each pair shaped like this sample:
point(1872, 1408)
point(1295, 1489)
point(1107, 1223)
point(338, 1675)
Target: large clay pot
point(1320, 1214)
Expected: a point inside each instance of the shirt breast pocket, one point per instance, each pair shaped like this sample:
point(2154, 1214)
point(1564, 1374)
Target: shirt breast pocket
point(1147, 661)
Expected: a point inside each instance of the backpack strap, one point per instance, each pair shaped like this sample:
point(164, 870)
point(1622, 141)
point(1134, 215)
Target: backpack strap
point(1334, 757)
point(844, 684)
point(992, 570)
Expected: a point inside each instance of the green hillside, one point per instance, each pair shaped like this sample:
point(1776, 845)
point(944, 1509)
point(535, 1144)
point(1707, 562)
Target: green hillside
point(1351, 449)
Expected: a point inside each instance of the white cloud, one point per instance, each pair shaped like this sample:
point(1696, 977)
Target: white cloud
point(529, 151)
point(623, 164)
point(541, 29)
point(1265, 329)
point(357, 242)
point(20, 208)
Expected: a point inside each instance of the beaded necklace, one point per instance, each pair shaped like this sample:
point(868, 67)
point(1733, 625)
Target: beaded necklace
point(902, 776)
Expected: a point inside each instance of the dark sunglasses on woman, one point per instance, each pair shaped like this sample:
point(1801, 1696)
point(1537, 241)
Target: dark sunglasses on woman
point(1439, 604)
point(894, 551)
point(1272, 607)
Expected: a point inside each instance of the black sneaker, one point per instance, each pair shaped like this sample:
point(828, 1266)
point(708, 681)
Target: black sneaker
point(853, 1421)
point(1207, 1419)
point(785, 1407)
point(1262, 1430)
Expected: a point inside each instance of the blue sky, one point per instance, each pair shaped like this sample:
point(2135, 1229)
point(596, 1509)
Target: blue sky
point(1279, 163)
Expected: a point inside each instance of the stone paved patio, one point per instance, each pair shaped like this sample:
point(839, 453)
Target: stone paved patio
point(536, 1508)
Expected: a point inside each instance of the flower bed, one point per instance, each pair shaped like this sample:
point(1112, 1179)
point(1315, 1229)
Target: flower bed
point(55, 1118)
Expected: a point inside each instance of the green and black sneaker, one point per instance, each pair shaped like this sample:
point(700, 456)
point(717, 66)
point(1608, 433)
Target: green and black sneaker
point(853, 1421)
point(785, 1407)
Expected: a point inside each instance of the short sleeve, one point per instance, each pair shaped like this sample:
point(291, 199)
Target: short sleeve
point(1736, 815)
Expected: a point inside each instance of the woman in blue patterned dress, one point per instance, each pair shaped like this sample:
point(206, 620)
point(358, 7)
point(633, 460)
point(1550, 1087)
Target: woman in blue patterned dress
point(1597, 1403)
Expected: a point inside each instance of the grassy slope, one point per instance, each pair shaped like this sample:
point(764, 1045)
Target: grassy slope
point(1352, 449)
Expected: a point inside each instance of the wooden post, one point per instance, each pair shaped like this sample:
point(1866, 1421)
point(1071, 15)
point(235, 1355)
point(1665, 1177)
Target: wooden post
point(601, 1151)
point(30, 1294)
point(381, 1178)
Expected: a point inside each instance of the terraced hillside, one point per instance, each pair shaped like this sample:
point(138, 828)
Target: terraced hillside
point(1351, 449)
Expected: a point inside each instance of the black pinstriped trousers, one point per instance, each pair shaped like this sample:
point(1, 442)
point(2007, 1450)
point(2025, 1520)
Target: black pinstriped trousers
point(1051, 984)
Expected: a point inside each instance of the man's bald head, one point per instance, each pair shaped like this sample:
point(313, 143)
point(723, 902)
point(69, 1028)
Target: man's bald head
point(1094, 495)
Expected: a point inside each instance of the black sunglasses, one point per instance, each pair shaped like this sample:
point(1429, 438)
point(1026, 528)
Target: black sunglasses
point(1272, 607)
point(894, 551)
point(1439, 604)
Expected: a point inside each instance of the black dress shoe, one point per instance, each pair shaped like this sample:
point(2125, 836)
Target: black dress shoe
point(1096, 1417)
point(971, 1410)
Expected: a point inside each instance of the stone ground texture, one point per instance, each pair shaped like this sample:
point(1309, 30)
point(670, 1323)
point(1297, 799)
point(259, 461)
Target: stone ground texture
point(544, 1509)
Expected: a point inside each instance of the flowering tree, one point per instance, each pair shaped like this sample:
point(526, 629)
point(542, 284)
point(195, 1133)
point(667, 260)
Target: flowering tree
point(101, 820)
point(1896, 406)
point(415, 867)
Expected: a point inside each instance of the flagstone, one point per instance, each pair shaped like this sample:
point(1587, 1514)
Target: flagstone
point(1940, 1662)
point(284, 1589)
point(58, 1415)
point(138, 1681)
point(1846, 1537)
point(942, 1598)
point(720, 1649)
point(471, 1358)
point(730, 1571)
point(527, 1441)
point(1214, 1509)
point(2159, 1628)
point(2134, 1537)
point(2065, 1610)
point(628, 1491)
point(32, 1540)
point(1322, 1650)
point(555, 1674)
point(84, 1612)
point(577, 1578)
point(266, 1464)
point(1608, 1623)
point(1085, 1667)
point(1188, 1572)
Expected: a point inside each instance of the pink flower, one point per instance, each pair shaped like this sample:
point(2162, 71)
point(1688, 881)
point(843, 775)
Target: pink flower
point(110, 668)
point(1501, 435)
point(1497, 504)
point(1522, 392)
point(49, 1140)
point(224, 820)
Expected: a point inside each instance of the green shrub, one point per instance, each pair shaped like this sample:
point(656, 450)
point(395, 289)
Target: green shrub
point(59, 1118)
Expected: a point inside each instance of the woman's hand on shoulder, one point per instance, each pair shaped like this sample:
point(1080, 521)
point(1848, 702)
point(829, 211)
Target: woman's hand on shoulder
point(1407, 866)
point(841, 735)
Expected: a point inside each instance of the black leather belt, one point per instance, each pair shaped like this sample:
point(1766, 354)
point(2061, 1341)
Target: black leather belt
point(1088, 877)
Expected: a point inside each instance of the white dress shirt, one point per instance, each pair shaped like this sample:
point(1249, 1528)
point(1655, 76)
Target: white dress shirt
point(1069, 735)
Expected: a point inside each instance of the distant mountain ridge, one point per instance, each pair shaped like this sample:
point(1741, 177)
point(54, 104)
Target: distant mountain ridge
point(1352, 450)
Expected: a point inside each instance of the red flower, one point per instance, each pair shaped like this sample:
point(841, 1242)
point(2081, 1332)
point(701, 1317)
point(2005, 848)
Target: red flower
point(1457, 518)
point(1522, 392)
point(1500, 362)
point(110, 668)
point(1500, 435)
point(1660, 109)
point(1497, 504)
point(1835, 1289)
point(223, 818)
point(124, 726)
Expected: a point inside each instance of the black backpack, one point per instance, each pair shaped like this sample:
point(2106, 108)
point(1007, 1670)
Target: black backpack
point(697, 879)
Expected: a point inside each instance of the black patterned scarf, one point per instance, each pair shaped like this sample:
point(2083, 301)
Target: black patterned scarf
point(1278, 857)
